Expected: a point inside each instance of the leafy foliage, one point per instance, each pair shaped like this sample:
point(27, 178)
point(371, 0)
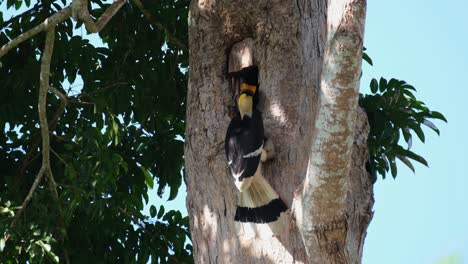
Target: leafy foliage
point(120, 135)
point(393, 110)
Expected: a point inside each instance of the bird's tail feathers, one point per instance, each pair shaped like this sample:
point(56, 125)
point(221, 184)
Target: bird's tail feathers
point(260, 211)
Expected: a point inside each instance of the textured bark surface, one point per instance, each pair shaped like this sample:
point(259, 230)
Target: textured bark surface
point(289, 39)
point(359, 192)
point(323, 209)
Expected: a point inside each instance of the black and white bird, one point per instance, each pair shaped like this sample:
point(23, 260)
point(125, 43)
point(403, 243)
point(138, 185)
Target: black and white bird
point(259, 209)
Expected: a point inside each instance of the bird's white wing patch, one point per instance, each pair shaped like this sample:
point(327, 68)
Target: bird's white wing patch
point(255, 153)
point(237, 175)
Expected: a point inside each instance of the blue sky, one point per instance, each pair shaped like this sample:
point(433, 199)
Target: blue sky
point(421, 217)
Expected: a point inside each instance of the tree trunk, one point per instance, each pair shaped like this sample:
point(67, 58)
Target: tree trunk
point(290, 47)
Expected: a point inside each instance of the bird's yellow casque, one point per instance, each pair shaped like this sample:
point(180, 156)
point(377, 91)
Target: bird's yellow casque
point(245, 101)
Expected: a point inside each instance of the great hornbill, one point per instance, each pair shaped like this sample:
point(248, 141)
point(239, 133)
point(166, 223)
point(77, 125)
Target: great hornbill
point(244, 145)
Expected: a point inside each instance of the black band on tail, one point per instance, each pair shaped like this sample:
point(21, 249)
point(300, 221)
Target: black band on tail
point(263, 214)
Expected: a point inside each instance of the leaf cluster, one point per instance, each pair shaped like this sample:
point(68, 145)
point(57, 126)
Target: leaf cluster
point(393, 111)
point(120, 135)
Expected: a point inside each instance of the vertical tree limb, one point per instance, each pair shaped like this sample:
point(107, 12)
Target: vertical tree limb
point(43, 89)
point(325, 187)
point(44, 86)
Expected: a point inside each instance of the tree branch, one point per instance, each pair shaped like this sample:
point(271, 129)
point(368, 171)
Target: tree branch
point(63, 103)
point(77, 7)
point(63, 98)
point(52, 21)
point(44, 85)
point(58, 156)
point(135, 218)
point(80, 11)
point(36, 182)
point(171, 38)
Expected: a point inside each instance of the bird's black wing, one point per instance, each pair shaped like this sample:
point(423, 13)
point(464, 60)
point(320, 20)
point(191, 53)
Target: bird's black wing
point(243, 145)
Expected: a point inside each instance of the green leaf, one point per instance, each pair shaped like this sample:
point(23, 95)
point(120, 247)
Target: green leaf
point(161, 212)
point(145, 197)
point(435, 114)
point(417, 129)
point(374, 86)
point(411, 155)
point(174, 183)
point(124, 165)
point(10, 3)
point(409, 94)
point(68, 147)
point(366, 58)
point(410, 141)
point(406, 162)
point(392, 83)
point(408, 87)
point(47, 249)
point(148, 178)
point(72, 75)
point(118, 79)
point(431, 126)
point(70, 172)
point(153, 211)
point(387, 162)
point(382, 84)
point(57, 6)
point(18, 4)
point(393, 167)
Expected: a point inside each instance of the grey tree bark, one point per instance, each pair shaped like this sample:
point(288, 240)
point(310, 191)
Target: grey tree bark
point(291, 43)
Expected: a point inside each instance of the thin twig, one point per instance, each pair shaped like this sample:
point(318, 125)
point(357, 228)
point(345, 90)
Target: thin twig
point(134, 218)
point(36, 182)
point(63, 103)
point(171, 38)
point(57, 155)
point(63, 139)
point(63, 98)
point(53, 20)
point(100, 90)
point(83, 103)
